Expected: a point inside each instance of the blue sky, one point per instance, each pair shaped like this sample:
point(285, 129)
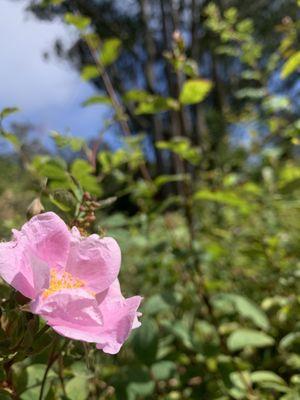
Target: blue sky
point(49, 93)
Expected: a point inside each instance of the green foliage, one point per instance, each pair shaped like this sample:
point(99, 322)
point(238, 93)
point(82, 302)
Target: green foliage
point(194, 91)
point(110, 50)
point(242, 338)
point(80, 22)
point(291, 65)
point(96, 100)
point(89, 72)
point(210, 240)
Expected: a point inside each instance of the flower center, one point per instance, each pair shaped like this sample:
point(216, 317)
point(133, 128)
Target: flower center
point(61, 280)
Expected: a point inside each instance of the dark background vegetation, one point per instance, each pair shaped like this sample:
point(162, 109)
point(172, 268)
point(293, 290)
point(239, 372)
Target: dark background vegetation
point(202, 195)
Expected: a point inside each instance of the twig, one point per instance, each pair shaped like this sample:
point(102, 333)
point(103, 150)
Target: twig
point(117, 105)
point(52, 358)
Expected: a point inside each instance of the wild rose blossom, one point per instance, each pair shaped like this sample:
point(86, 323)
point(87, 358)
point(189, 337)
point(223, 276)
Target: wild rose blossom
point(71, 281)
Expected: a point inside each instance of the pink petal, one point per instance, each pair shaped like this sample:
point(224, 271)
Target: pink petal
point(72, 313)
point(95, 261)
point(22, 269)
point(119, 318)
point(48, 237)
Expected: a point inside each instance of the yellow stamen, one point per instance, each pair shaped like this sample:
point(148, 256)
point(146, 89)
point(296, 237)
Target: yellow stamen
point(63, 280)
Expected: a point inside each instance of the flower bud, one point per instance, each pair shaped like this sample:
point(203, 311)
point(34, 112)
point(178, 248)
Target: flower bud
point(36, 207)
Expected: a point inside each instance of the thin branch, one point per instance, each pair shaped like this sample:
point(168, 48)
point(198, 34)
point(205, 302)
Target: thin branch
point(52, 358)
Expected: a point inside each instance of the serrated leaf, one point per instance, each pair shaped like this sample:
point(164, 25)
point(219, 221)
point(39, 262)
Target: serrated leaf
point(75, 143)
point(63, 199)
point(194, 91)
point(82, 171)
point(51, 168)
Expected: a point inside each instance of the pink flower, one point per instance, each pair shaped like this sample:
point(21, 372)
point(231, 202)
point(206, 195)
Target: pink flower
point(71, 281)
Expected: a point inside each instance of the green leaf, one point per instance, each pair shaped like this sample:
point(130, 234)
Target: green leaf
point(251, 93)
point(63, 199)
point(83, 172)
point(140, 385)
point(145, 341)
point(8, 111)
point(241, 380)
point(79, 21)
point(266, 376)
point(89, 72)
point(194, 91)
point(155, 304)
point(110, 51)
point(242, 338)
point(156, 104)
point(290, 341)
point(291, 65)
point(248, 309)
point(13, 139)
point(163, 179)
point(225, 197)
point(77, 388)
point(182, 332)
point(181, 146)
point(277, 103)
point(137, 95)
point(97, 100)
point(75, 143)
point(163, 370)
point(53, 168)
point(56, 2)
point(35, 374)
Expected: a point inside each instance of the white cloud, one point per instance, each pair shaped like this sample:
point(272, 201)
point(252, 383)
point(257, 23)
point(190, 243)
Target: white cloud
point(48, 93)
point(26, 79)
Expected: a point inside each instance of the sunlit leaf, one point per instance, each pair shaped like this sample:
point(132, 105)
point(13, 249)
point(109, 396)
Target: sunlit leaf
point(194, 91)
point(291, 65)
point(8, 111)
point(110, 51)
point(242, 338)
point(98, 99)
point(90, 72)
point(79, 21)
